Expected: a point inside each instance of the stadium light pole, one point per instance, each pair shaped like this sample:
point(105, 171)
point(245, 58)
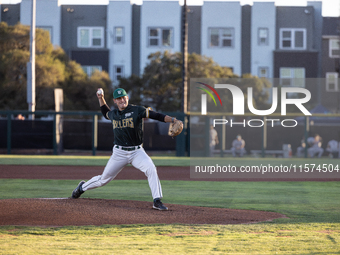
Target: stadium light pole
point(185, 58)
point(31, 64)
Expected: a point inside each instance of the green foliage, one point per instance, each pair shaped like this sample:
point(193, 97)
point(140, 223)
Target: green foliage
point(205, 67)
point(161, 83)
point(53, 70)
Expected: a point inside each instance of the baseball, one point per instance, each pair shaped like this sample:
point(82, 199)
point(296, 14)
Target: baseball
point(100, 91)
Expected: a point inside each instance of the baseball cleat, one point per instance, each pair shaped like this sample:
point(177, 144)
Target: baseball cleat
point(158, 205)
point(78, 191)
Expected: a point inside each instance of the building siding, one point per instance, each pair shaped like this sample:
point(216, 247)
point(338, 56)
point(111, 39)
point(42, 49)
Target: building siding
point(10, 13)
point(135, 41)
point(219, 15)
point(246, 39)
point(47, 15)
point(194, 29)
point(164, 14)
point(74, 16)
point(119, 15)
point(262, 55)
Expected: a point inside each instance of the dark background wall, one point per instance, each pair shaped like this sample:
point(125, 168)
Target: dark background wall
point(77, 135)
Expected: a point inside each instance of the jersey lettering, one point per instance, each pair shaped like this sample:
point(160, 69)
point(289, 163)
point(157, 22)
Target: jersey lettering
point(123, 123)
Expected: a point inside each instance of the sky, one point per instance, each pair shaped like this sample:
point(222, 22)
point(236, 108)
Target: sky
point(330, 8)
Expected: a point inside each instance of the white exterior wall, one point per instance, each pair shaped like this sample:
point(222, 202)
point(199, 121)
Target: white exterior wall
point(159, 14)
point(222, 14)
point(48, 13)
point(119, 15)
point(263, 16)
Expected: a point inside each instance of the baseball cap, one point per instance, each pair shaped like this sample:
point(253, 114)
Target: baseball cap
point(119, 93)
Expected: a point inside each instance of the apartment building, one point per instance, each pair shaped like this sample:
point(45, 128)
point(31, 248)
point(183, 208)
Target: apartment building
point(331, 64)
point(47, 17)
point(119, 39)
point(221, 33)
point(262, 39)
point(84, 35)
point(288, 43)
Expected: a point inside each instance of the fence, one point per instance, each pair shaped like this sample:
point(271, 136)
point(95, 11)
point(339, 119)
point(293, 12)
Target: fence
point(84, 130)
point(264, 135)
point(77, 130)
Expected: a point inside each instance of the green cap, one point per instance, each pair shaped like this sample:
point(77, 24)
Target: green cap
point(119, 93)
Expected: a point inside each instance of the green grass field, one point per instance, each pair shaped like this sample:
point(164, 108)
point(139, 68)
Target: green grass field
point(312, 208)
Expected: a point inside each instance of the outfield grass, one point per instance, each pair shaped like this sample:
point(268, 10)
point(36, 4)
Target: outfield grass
point(313, 226)
point(173, 239)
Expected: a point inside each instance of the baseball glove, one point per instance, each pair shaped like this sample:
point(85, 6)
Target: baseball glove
point(175, 128)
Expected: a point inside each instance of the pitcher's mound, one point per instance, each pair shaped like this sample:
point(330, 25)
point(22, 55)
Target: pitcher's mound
point(85, 211)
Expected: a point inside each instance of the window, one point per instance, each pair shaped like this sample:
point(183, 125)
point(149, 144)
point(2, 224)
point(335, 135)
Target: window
point(90, 37)
point(292, 38)
point(292, 77)
point(118, 35)
point(221, 37)
point(160, 37)
point(334, 48)
point(89, 70)
point(48, 29)
point(263, 72)
point(118, 73)
point(263, 36)
point(332, 82)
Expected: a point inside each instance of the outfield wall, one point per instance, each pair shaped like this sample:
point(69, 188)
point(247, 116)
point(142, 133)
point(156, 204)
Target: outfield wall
point(77, 135)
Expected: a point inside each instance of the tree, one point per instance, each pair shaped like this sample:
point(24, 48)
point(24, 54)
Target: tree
point(161, 83)
point(53, 70)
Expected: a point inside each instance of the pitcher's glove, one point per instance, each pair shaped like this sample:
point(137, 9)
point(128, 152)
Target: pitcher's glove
point(175, 128)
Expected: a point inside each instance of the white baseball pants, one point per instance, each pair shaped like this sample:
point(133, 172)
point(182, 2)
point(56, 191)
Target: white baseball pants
point(118, 160)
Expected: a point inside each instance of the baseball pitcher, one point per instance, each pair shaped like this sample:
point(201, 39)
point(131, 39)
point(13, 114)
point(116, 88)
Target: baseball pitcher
point(128, 138)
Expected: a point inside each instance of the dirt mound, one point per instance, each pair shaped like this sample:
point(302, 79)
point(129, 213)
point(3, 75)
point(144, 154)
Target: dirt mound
point(85, 211)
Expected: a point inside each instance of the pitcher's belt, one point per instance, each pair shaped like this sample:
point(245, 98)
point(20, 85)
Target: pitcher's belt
point(129, 148)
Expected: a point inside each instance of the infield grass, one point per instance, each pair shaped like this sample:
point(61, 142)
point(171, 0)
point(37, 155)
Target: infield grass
point(312, 226)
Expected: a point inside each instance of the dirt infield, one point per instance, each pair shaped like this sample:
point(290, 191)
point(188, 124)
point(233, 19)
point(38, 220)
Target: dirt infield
point(82, 211)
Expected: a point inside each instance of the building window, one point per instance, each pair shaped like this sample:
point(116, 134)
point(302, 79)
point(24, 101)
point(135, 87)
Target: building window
point(160, 37)
point(292, 39)
point(221, 37)
point(263, 72)
point(118, 35)
point(89, 70)
point(118, 73)
point(90, 37)
point(292, 77)
point(332, 82)
point(334, 48)
point(48, 29)
point(263, 36)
